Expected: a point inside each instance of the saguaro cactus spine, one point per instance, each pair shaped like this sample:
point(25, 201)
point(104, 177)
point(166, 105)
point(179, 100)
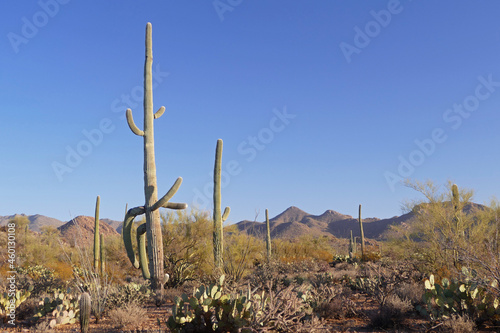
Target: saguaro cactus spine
point(268, 237)
point(85, 307)
point(152, 204)
point(218, 217)
point(362, 234)
point(96, 234)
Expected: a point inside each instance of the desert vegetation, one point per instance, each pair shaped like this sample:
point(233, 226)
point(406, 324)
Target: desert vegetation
point(438, 272)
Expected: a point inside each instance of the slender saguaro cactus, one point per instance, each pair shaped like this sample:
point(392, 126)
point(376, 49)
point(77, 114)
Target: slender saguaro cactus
point(85, 307)
point(152, 204)
point(352, 247)
point(96, 234)
point(218, 218)
point(268, 237)
point(362, 234)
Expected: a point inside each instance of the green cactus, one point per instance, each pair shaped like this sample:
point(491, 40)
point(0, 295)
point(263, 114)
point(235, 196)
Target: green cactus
point(85, 307)
point(96, 235)
point(62, 306)
point(268, 237)
point(20, 297)
point(362, 234)
point(233, 312)
point(352, 247)
point(218, 218)
point(152, 204)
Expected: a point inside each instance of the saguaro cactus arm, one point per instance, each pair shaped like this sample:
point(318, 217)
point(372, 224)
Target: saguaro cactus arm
point(132, 125)
point(128, 222)
point(225, 215)
point(143, 255)
point(159, 113)
point(164, 200)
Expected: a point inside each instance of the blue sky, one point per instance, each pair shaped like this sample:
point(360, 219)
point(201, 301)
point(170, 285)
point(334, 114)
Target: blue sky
point(321, 104)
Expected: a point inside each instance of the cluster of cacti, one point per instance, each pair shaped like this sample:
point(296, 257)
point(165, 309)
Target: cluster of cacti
point(219, 217)
point(268, 237)
point(210, 309)
point(152, 204)
point(63, 307)
point(20, 297)
point(85, 309)
point(459, 297)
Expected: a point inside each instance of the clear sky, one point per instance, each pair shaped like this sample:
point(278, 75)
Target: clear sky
point(321, 104)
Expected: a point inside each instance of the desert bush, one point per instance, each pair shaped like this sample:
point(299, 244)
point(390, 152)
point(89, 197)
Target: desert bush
point(187, 244)
point(412, 291)
point(304, 248)
point(459, 324)
point(122, 295)
point(340, 307)
point(130, 315)
point(391, 313)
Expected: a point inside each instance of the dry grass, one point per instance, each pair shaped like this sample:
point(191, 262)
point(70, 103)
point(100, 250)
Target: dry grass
point(130, 316)
point(459, 324)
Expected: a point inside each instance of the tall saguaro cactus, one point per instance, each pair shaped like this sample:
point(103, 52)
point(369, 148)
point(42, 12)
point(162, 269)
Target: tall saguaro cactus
point(96, 235)
point(218, 217)
point(152, 204)
point(362, 234)
point(268, 237)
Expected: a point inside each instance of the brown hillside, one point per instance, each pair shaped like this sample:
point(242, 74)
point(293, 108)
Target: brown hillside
point(80, 230)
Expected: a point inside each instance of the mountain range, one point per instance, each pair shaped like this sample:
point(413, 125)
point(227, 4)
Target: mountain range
point(294, 222)
point(291, 223)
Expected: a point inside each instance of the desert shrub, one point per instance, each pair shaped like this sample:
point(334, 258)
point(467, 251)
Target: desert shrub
point(123, 295)
point(42, 327)
point(340, 307)
point(391, 313)
point(459, 324)
point(187, 244)
point(130, 315)
point(304, 248)
point(412, 291)
point(240, 252)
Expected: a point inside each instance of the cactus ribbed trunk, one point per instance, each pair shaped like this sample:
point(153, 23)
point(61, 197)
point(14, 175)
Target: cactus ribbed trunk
point(268, 237)
point(85, 308)
point(218, 234)
point(152, 204)
point(96, 235)
point(218, 217)
point(153, 224)
point(362, 234)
